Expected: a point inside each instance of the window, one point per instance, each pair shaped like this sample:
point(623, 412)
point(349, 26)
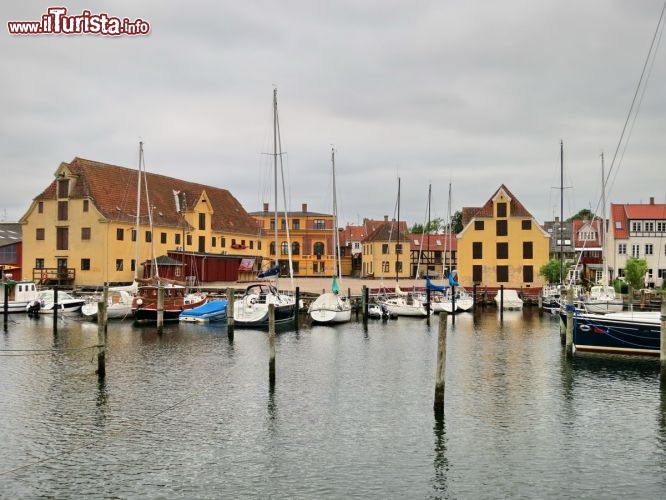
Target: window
point(501, 227)
point(635, 251)
point(85, 233)
point(478, 225)
point(149, 236)
point(502, 274)
point(526, 225)
point(501, 209)
point(177, 272)
point(528, 274)
point(295, 247)
point(318, 249)
point(622, 249)
point(188, 240)
point(271, 248)
point(202, 221)
point(63, 188)
point(284, 248)
point(398, 267)
point(477, 274)
point(385, 249)
point(385, 266)
point(258, 245)
point(398, 248)
point(251, 244)
point(649, 227)
point(319, 224)
point(85, 205)
point(661, 226)
point(295, 224)
point(39, 233)
point(176, 239)
point(62, 210)
point(502, 250)
point(62, 238)
point(120, 234)
point(223, 242)
point(283, 224)
point(649, 249)
point(272, 224)
point(635, 226)
point(133, 234)
point(132, 265)
point(294, 265)
point(119, 264)
point(39, 263)
point(213, 242)
point(477, 250)
point(163, 238)
point(85, 264)
point(40, 207)
point(528, 250)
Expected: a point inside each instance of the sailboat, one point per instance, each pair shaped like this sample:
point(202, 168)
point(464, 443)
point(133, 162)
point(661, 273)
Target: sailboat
point(176, 296)
point(251, 310)
point(602, 298)
point(330, 307)
point(403, 303)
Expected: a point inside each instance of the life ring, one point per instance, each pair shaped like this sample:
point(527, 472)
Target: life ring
point(45, 275)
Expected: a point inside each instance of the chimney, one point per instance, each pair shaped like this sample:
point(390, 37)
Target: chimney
point(265, 207)
point(651, 200)
point(386, 218)
point(305, 207)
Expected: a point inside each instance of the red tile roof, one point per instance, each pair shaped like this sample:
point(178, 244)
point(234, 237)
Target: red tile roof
point(516, 209)
point(113, 190)
point(595, 225)
point(386, 230)
point(621, 214)
point(434, 242)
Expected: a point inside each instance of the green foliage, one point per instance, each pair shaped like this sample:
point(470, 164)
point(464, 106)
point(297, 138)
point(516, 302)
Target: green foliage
point(620, 286)
point(634, 272)
point(585, 214)
point(551, 271)
point(432, 227)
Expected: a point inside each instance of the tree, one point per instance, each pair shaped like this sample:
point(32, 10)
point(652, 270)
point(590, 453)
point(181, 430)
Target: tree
point(551, 270)
point(585, 214)
point(634, 272)
point(456, 222)
point(434, 226)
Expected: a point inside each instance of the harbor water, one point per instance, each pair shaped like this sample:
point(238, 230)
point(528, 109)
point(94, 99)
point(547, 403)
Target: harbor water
point(190, 414)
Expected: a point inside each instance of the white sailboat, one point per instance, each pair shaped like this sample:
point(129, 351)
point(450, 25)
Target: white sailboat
point(330, 307)
point(251, 310)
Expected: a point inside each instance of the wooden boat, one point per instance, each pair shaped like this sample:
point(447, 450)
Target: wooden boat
point(624, 332)
point(213, 311)
point(176, 300)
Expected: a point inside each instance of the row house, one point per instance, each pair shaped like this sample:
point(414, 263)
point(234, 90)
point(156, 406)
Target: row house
point(386, 250)
point(561, 241)
point(501, 244)
point(638, 230)
point(433, 254)
point(351, 243)
point(588, 238)
point(308, 237)
point(11, 247)
point(91, 226)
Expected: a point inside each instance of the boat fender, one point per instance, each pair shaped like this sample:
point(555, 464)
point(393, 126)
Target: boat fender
point(139, 302)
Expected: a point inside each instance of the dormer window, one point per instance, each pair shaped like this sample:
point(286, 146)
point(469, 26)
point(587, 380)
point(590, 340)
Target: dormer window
point(501, 209)
point(63, 188)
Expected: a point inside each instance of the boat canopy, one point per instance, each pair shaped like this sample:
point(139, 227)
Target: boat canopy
point(273, 271)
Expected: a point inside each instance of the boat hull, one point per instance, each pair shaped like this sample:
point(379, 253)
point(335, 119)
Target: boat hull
point(214, 311)
point(330, 308)
point(620, 333)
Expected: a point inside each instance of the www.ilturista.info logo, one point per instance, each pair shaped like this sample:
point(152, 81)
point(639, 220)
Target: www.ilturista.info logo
point(57, 22)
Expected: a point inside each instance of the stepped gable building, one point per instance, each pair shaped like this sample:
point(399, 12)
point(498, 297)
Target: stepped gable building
point(81, 229)
point(501, 244)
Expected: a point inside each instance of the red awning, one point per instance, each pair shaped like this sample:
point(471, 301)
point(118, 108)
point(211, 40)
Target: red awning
point(246, 265)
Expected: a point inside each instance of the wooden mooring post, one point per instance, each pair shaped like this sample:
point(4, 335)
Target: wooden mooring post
point(230, 313)
point(5, 306)
point(662, 346)
point(102, 334)
point(501, 304)
point(365, 296)
point(568, 338)
point(55, 310)
point(297, 310)
point(271, 345)
point(160, 309)
point(441, 365)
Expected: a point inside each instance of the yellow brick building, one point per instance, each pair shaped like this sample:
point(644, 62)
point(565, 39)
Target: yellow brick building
point(386, 250)
point(501, 244)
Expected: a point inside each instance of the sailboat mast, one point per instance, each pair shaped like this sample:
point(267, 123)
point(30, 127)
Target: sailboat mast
point(397, 254)
point(275, 172)
point(602, 229)
point(138, 214)
point(336, 240)
point(561, 211)
point(427, 230)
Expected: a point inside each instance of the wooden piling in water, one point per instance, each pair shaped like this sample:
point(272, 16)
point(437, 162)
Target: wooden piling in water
point(230, 313)
point(662, 346)
point(102, 314)
point(474, 296)
point(160, 309)
point(101, 335)
point(441, 364)
point(5, 306)
point(568, 345)
point(501, 304)
point(55, 309)
point(297, 310)
point(365, 294)
point(271, 345)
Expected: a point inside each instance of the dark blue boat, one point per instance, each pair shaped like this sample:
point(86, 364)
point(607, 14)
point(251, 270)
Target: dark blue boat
point(621, 332)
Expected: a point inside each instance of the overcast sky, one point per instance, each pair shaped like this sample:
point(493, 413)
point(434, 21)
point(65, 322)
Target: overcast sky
point(472, 93)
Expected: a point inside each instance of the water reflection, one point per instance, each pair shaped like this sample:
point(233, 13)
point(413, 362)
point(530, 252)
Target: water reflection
point(441, 462)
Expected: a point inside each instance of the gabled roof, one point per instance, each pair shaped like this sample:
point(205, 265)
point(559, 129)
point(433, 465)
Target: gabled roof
point(113, 191)
point(387, 231)
point(433, 242)
point(10, 233)
point(621, 214)
point(587, 225)
point(352, 233)
point(516, 208)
